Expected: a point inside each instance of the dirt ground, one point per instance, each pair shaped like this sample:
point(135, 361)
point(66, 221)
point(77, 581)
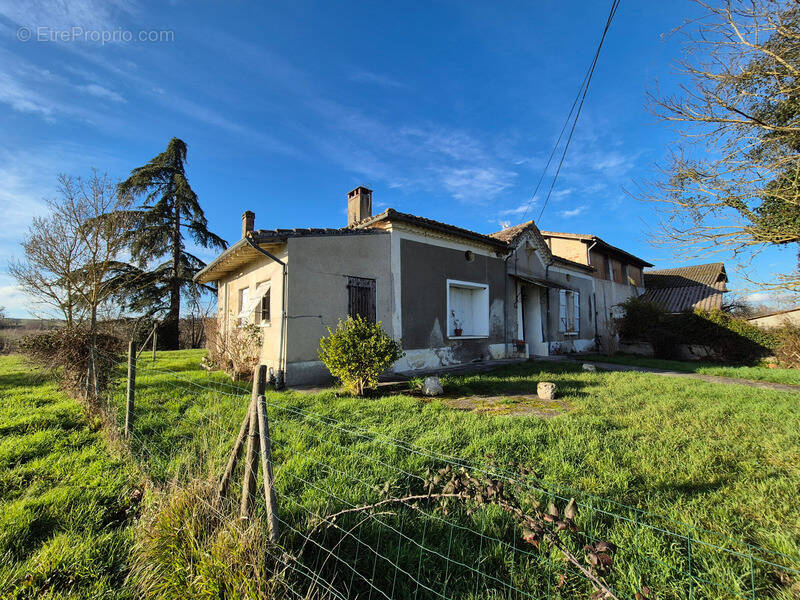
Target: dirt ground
point(514, 405)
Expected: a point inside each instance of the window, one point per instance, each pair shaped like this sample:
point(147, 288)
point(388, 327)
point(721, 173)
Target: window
point(467, 309)
point(361, 298)
point(569, 312)
point(263, 308)
point(249, 302)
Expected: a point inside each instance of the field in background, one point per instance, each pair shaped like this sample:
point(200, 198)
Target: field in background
point(703, 456)
point(65, 502)
point(790, 376)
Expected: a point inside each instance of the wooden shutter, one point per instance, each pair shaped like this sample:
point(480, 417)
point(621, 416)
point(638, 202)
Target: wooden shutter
point(361, 298)
point(577, 297)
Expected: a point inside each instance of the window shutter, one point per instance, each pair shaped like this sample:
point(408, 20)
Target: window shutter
point(361, 298)
point(577, 297)
point(562, 310)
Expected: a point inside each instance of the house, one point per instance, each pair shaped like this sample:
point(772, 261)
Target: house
point(617, 273)
point(686, 288)
point(778, 318)
point(449, 295)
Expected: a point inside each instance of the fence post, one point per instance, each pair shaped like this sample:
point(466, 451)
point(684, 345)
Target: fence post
point(234, 457)
point(266, 469)
point(131, 394)
point(155, 340)
point(251, 454)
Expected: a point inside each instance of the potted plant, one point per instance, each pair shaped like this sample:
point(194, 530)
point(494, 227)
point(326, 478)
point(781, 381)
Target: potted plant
point(457, 327)
point(520, 344)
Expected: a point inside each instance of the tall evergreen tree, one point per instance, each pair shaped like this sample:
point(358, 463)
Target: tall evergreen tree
point(169, 211)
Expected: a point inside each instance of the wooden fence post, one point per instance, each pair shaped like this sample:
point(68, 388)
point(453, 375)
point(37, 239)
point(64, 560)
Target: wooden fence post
point(251, 454)
point(266, 469)
point(129, 404)
point(234, 457)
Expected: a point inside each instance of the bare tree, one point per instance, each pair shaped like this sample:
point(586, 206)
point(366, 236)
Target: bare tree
point(72, 256)
point(732, 184)
point(52, 253)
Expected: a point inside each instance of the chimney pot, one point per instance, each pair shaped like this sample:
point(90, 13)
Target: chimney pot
point(248, 222)
point(359, 205)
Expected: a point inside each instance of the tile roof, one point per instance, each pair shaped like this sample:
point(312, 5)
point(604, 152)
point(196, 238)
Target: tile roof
point(391, 214)
point(686, 288)
point(510, 233)
point(707, 274)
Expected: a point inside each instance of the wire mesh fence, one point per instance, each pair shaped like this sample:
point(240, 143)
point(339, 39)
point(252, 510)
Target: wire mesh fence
point(363, 514)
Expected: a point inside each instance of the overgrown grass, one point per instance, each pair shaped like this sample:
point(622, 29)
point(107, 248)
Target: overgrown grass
point(65, 501)
point(789, 376)
point(703, 456)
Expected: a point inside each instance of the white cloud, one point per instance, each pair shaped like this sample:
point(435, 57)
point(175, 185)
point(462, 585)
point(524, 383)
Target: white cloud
point(101, 92)
point(375, 79)
point(573, 212)
point(66, 14)
point(476, 183)
point(522, 209)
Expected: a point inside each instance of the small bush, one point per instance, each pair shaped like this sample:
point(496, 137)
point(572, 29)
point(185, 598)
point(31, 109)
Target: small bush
point(66, 353)
point(357, 352)
point(235, 351)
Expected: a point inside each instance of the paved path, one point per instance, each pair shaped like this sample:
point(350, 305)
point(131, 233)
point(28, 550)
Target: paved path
point(767, 385)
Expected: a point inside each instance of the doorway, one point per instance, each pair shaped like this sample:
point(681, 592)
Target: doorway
point(531, 325)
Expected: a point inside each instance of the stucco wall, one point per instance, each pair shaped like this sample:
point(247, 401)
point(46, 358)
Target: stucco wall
point(317, 292)
point(770, 321)
point(258, 270)
point(571, 249)
point(425, 269)
point(610, 295)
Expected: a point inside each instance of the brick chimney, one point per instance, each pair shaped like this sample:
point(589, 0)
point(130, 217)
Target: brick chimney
point(248, 222)
point(359, 205)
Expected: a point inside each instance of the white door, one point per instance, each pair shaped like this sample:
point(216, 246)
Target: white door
point(532, 319)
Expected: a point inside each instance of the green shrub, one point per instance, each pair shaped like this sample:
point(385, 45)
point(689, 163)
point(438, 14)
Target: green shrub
point(66, 352)
point(357, 352)
point(725, 337)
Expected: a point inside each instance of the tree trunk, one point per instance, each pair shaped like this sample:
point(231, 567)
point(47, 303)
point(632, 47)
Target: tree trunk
point(169, 334)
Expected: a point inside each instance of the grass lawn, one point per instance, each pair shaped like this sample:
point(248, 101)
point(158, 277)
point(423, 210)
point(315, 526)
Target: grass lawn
point(703, 456)
point(790, 376)
point(63, 498)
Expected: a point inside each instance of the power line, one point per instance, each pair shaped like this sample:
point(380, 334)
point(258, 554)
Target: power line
point(580, 97)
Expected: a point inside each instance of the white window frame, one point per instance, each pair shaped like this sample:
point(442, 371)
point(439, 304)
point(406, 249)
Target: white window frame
point(479, 329)
point(569, 312)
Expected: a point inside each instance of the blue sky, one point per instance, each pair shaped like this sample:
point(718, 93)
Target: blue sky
point(445, 109)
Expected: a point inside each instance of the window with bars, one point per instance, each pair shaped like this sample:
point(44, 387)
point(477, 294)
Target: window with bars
point(361, 298)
